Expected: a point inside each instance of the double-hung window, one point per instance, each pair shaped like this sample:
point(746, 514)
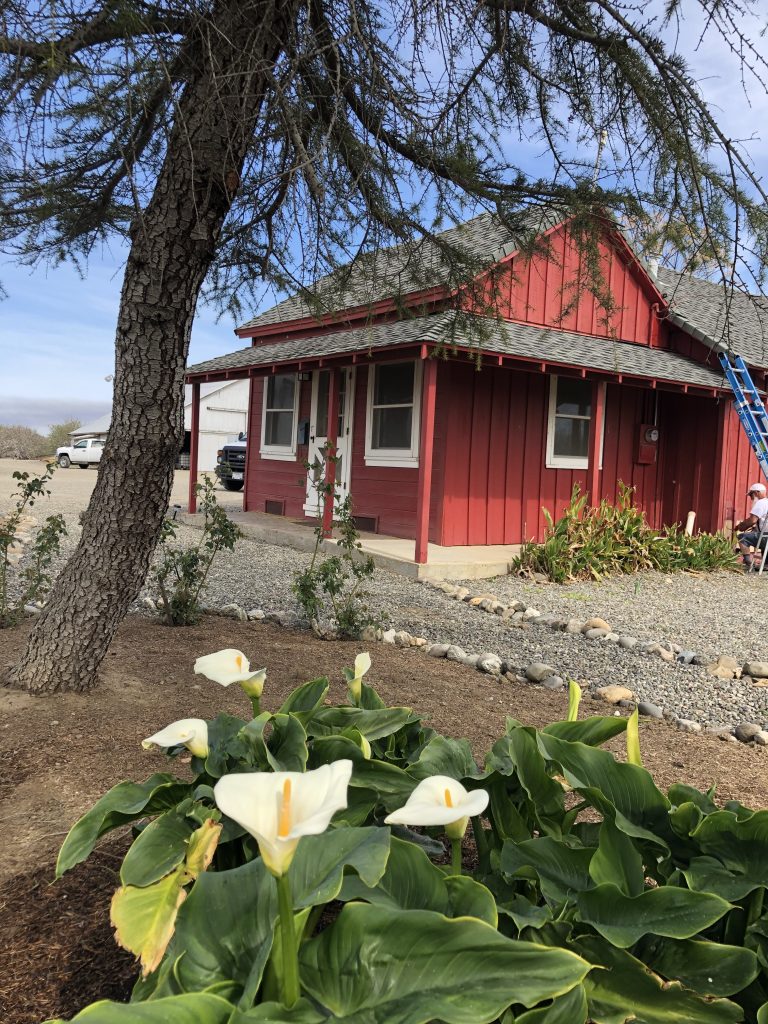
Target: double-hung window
point(570, 414)
point(392, 423)
point(279, 417)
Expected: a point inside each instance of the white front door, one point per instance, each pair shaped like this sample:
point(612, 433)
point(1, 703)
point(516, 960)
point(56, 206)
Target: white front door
point(318, 435)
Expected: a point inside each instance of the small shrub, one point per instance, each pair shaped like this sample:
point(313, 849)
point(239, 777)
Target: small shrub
point(590, 543)
point(18, 442)
point(32, 582)
point(182, 571)
point(332, 589)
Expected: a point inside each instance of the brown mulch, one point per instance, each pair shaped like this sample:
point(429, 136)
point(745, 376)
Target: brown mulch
point(59, 754)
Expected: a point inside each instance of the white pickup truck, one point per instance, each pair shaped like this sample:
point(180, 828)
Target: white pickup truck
point(86, 452)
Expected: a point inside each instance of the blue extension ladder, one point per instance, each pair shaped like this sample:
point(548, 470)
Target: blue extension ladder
point(754, 419)
point(749, 405)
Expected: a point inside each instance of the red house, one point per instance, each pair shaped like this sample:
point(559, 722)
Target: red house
point(456, 427)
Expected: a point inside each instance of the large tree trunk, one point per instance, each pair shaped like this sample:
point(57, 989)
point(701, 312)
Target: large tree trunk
point(173, 244)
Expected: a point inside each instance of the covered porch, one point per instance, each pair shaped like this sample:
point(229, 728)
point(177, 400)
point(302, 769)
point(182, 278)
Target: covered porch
point(396, 554)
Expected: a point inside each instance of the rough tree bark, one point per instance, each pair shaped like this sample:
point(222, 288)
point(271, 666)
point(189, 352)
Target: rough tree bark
point(173, 243)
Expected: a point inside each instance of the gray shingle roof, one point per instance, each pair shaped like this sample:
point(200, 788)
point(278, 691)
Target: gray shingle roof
point(705, 306)
point(545, 344)
point(408, 267)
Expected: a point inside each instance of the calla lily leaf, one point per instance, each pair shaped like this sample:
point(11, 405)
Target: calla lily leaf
point(306, 698)
point(198, 1008)
point(144, 917)
point(445, 756)
point(125, 802)
point(318, 867)
point(372, 724)
point(626, 984)
point(570, 1008)
point(375, 964)
point(677, 913)
point(202, 846)
point(617, 860)
point(593, 731)
point(157, 850)
point(274, 1013)
point(709, 968)
point(563, 871)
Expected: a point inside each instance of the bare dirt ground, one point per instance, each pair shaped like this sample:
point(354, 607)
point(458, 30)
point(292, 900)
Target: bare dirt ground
point(59, 754)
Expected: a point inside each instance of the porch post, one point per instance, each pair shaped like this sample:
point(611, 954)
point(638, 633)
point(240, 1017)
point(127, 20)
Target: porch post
point(426, 445)
point(330, 465)
point(596, 426)
point(718, 511)
point(194, 432)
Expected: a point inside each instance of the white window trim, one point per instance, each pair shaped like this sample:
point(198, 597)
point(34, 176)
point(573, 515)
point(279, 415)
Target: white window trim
point(567, 461)
point(396, 457)
point(275, 452)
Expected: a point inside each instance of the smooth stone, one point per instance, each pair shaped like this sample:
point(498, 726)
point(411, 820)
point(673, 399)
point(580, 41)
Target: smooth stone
point(455, 653)
point(726, 661)
point(596, 623)
point(686, 657)
point(531, 613)
point(612, 637)
point(506, 666)
point(596, 633)
point(721, 732)
point(418, 641)
point(482, 597)
point(627, 704)
point(687, 725)
point(761, 738)
point(402, 639)
point(486, 605)
point(461, 593)
point(627, 642)
point(519, 606)
point(573, 626)
point(745, 732)
point(438, 650)
point(500, 609)
point(756, 669)
point(553, 682)
point(368, 635)
point(613, 693)
point(489, 663)
point(538, 671)
point(257, 614)
point(388, 636)
point(149, 604)
point(470, 660)
point(32, 609)
point(234, 611)
point(719, 671)
point(700, 659)
point(645, 707)
point(660, 652)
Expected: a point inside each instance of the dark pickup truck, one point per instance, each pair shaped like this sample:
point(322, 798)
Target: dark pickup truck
point(230, 464)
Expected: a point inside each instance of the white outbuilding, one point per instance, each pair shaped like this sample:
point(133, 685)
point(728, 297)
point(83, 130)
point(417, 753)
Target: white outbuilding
point(223, 415)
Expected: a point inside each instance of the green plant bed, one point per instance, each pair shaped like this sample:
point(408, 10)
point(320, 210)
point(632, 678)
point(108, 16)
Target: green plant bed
point(301, 874)
point(608, 540)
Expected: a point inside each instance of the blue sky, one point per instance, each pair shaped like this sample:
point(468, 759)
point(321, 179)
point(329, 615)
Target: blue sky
point(57, 328)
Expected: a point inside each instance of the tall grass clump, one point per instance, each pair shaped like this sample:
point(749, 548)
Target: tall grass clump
point(608, 540)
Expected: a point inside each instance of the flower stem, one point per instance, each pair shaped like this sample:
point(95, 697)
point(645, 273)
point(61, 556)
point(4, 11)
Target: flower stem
point(456, 856)
point(256, 705)
point(290, 979)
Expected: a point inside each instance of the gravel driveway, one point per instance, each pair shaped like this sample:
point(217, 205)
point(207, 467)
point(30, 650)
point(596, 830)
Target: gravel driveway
point(721, 613)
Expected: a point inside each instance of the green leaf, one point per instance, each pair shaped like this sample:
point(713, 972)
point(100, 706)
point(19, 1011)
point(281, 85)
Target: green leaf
point(372, 724)
point(627, 990)
point(524, 913)
point(617, 860)
point(287, 746)
point(633, 739)
point(223, 740)
point(679, 793)
point(377, 966)
point(224, 929)
point(318, 866)
point(517, 754)
point(412, 882)
point(200, 1008)
point(158, 849)
point(570, 1008)
point(739, 843)
point(125, 802)
point(445, 756)
point(709, 968)
point(593, 731)
point(274, 1013)
point(305, 698)
point(706, 874)
point(563, 871)
point(628, 787)
point(762, 1014)
point(677, 913)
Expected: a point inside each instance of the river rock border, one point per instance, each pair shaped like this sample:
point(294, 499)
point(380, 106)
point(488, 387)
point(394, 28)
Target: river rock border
point(537, 672)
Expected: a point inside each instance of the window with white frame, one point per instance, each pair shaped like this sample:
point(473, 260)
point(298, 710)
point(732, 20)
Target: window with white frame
point(570, 414)
point(279, 416)
point(392, 423)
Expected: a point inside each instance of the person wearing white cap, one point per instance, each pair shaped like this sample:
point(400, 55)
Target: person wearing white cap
point(753, 525)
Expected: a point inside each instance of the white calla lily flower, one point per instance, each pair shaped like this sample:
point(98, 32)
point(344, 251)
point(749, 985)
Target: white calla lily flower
point(191, 733)
point(440, 800)
point(278, 808)
point(224, 667)
point(355, 678)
